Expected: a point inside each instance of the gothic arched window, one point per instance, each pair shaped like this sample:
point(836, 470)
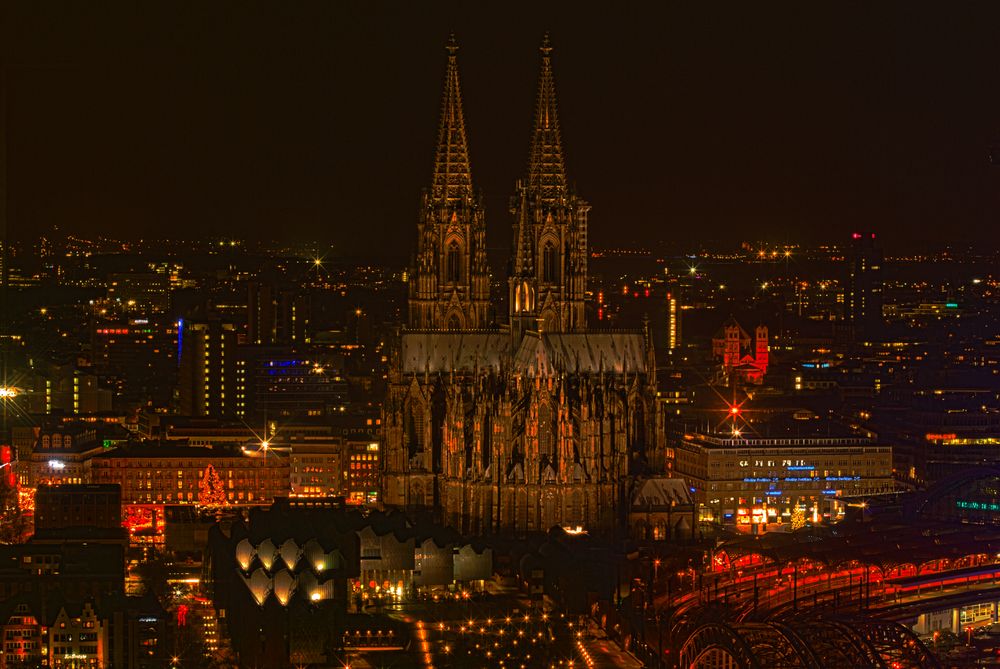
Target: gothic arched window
point(454, 266)
point(454, 323)
point(549, 263)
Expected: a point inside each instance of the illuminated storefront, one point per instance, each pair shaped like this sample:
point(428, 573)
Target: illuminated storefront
point(761, 484)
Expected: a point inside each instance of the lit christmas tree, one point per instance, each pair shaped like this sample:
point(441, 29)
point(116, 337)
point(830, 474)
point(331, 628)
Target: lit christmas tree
point(211, 490)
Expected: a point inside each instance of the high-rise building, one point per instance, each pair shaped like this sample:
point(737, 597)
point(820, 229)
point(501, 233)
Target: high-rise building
point(276, 315)
point(673, 320)
point(208, 369)
point(863, 292)
point(138, 357)
point(534, 423)
point(275, 381)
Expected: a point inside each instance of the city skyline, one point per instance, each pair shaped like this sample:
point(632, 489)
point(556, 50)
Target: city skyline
point(272, 125)
point(694, 363)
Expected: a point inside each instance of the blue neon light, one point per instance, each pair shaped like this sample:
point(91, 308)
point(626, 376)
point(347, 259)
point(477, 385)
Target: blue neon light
point(829, 492)
point(773, 492)
point(180, 339)
point(800, 468)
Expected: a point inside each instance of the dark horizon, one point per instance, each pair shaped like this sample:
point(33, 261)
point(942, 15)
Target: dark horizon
point(318, 122)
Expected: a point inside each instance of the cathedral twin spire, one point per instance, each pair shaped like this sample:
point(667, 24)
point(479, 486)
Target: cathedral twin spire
point(449, 287)
point(452, 178)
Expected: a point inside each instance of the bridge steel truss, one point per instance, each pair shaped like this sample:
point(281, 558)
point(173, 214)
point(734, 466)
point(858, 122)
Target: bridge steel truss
point(813, 643)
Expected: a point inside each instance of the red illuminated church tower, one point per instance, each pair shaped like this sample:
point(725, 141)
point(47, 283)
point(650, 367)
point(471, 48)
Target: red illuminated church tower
point(742, 359)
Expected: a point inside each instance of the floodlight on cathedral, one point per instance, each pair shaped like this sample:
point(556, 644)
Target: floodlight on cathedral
point(525, 423)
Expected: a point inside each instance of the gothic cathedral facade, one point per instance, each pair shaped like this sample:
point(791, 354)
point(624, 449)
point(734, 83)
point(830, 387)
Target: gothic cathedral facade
point(536, 422)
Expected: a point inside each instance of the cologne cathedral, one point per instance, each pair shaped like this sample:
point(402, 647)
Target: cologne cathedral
point(534, 422)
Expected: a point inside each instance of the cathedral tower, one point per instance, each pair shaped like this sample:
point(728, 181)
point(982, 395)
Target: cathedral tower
point(548, 274)
point(449, 282)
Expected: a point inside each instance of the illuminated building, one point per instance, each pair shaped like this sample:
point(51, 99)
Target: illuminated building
point(742, 358)
point(51, 632)
point(863, 290)
point(147, 292)
point(78, 638)
point(62, 452)
point(316, 466)
point(673, 321)
point(763, 473)
point(537, 423)
point(362, 472)
point(166, 474)
point(208, 369)
point(22, 635)
point(284, 578)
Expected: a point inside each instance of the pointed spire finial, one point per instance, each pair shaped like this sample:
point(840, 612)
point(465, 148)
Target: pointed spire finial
point(546, 169)
point(452, 169)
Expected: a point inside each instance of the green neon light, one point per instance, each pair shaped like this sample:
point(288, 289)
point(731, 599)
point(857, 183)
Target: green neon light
point(978, 506)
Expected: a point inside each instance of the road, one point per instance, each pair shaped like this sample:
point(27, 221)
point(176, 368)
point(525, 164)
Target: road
point(604, 653)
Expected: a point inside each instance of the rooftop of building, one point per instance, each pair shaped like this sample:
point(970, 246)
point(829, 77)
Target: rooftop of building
point(80, 559)
point(82, 534)
point(171, 450)
point(612, 352)
point(330, 524)
point(793, 428)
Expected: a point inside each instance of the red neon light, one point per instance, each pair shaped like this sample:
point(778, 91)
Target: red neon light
point(6, 455)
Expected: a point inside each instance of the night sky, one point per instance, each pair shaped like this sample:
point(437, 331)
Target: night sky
point(734, 121)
